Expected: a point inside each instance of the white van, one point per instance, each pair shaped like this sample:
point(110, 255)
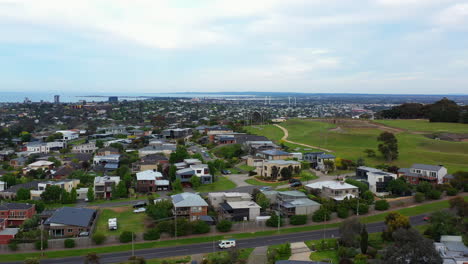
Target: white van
point(227, 243)
point(112, 222)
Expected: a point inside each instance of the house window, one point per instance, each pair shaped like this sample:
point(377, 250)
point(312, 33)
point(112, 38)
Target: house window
point(196, 209)
point(433, 174)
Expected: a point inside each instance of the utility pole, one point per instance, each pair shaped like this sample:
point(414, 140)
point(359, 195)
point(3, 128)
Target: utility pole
point(133, 246)
point(42, 239)
point(324, 220)
point(279, 217)
point(175, 223)
point(357, 209)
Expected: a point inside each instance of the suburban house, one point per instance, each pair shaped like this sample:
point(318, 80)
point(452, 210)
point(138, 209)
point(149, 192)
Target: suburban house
point(10, 192)
point(165, 149)
point(433, 174)
point(198, 170)
point(149, 162)
point(214, 131)
point(175, 133)
point(44, 147)
point(337, 190)
point(254, 161)
point(377, 180)
point(40, 164)
point(258, 146)
point(189, 205)
point(82, 194)
point(274, 154)
point(85, 148)
point(272, 168)
point(69, 134)
point(6, 234)
point(317, 159)
point(217, 198)
point(3, 185)
point(452, 250)
point(14, 214)
point(103, 186)
point(107, 151)
point(146, 181)
point(239, 210)
point(107, 162)
point(225, 139)
point(295, 203)
point(67, 185)
point(18, 162)
point(70, 221)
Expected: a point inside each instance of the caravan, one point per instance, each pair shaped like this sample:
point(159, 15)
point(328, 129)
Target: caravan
point(112, 222)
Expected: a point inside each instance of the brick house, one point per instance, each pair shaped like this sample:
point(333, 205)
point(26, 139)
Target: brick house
point(6, 234)
point(146, 181)
point(15, 214)
point(189, 205)
point(70, 221)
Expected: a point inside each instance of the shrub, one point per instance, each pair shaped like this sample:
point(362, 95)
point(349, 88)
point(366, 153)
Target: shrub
point(69, 243)
point(165, 227)
point(284, 251)
point(224, 226)
point(363, 208)
point(126, 236)
point(298, 220)
point(273, 221)
point(137, 260)
point(434, 194)
point(452, 191)
point(381, 205)
point(13, 245)
point(37, 244)
point(200, 227)
point(342, 212)
point(347, 252)
point(152, 234)
point(419, 197)
point(321, 215)
point(99, 238)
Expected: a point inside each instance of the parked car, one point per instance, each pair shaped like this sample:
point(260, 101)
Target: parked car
point(139, 204)
point(140, 210)
point(295, 184)
point(84, 234)
point(293, 180)
point(426, 218)
point(226, 172)
point(265, 188)
point(227, 243)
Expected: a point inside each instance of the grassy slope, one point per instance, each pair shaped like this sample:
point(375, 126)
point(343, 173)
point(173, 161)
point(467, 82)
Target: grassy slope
point(220, 185)
point(426, 126)
point(351, 142)
point(425, 208)
point(127, 221)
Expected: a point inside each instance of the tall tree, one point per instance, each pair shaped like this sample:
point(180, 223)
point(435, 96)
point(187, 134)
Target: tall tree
point(394, 221)
point(350, 230)
point(90, 194)
point(364, 240)
point(389, 146)
point(73, 195)
point(23, 194)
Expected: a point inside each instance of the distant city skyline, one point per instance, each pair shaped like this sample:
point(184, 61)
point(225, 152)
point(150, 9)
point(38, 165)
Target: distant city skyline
point(169, 46)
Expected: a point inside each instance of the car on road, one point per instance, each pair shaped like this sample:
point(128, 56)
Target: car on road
point(426, 218)
point(227, 243)
point(295, 184)
point(226, 172)
point(139, 204)
point(140, 210)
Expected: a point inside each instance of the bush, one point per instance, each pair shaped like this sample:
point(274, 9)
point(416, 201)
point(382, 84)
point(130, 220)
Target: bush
point(126, 236)
point(342, 212)
point(363, 208)
point(200, 227)
point(347, 252)
point(321, 215)
point(284, 251)
point(166, 227)
point(37, 244)
point(137, 260)
point(381, 205)
point(298, 220)
point(419, 197)
point(434, 195)
point(152, 234)
point(224, 226)
point(452, 191)
point(69, 243)
point(273, 221)
point(99, 238)
point(13, 245)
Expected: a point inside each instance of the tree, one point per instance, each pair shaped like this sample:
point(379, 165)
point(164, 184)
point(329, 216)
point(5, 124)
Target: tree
point(363, 187)
point(99, 238)
point(350, 231)
point(460, 180)
point(224, 226)
point(389, 146)
point(329, 165)
point(360, 162)
point(460, 205)
point(23, 194)
point(364, 240)
point(121, 190)
point(177, 186)
point(370, 153)
point(273, 220)
point(126, 236)
point(152, 234)
point(179, 155)
point(90, 194)
point(368, 196)
point(200, 227)
point(444, 110)
point(411, 247)
point(443, 223)
point(398, 186)
point(172, 172)
point(73, 195)
point(64, 197)
point(195, 181)
point(25, 136)
point(394, 221)
point(52, 193)
point(424, 187)
point(99, 143)
point(381, 205)
point(321, 215)
point(286, 173)
point(160, 210)
point(262, 200)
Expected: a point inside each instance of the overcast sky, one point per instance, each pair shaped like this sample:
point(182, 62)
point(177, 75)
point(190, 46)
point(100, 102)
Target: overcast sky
point(153, 46)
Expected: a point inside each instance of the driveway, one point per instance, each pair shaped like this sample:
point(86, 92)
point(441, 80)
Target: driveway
point(239, 179)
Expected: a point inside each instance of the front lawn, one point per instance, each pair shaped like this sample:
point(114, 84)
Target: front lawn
point(246, 167)
point(244, 254)
point(222, 184)
point(127, 220)
point(325, 256)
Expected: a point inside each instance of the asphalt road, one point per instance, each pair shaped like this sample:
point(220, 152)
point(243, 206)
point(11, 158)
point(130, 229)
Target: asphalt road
point(192, 249)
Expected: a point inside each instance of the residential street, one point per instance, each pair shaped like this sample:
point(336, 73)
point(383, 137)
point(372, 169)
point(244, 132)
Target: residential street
point(185, 250)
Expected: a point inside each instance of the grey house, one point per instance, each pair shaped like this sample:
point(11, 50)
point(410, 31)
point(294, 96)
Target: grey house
point(70, 221)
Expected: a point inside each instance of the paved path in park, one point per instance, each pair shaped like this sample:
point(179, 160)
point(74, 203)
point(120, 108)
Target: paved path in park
point(286, 135)
point(258, 256)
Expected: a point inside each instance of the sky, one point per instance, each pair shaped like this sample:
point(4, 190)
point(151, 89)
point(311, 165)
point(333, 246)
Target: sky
point(165, 46)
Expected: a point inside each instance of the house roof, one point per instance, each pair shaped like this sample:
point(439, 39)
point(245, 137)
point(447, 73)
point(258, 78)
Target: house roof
point(9, 231)
point(72, 216)
point(284, 162)
point(293, 193)
point(275, 152)
point(104, 179)
point(28, 185)
point(187, 200)
point(326, 156)
point(335, 185)
point(243, 204)
point(148, 175)
point(299, 203)
point(15, 206)
point(368, 169)
point(427, 167)
point(41, 163)
point(185, 171)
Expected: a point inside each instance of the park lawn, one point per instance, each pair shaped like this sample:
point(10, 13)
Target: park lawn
point(221, 184)
point(254, 181)
point(422, 125)
point(271, 132)
point(331, 255)
point(419, 209)
point(350, 143)
point(127, 220)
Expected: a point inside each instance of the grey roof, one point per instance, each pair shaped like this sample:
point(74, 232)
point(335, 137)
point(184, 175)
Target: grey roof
point(9, 231)
point(275, 152)
point(187, 200)
point(326, 156)
point(426, 167)
point(449, 176)
point(369, 169)
point(185, 171)
point(293, 193)
point(72, 216)
point(15, 206)
point(28, 185)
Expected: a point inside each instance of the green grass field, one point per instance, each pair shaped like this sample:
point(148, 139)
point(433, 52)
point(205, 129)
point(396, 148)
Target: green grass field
point(349, 143)
point(425, 126)
point(127, 220)
point(221, 184)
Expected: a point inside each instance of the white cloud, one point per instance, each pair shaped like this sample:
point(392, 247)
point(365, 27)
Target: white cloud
point(455, 16)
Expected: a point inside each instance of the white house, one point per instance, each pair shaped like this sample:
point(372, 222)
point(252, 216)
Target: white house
point(44, 147)
point(334, 189)
point(84, 148)
point(2, 185)
point(423, 172)
point(69, 134)
point(377, 179)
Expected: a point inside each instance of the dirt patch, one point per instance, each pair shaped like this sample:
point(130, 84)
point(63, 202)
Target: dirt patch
point(448, 137)
point(119, 209)
point(337, 130)
point(357, 123)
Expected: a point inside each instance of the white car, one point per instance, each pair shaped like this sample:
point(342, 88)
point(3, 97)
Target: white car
point(227, 243)
point(140, 210)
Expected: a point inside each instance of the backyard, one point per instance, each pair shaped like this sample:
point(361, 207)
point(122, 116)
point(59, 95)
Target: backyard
point(127, 220)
